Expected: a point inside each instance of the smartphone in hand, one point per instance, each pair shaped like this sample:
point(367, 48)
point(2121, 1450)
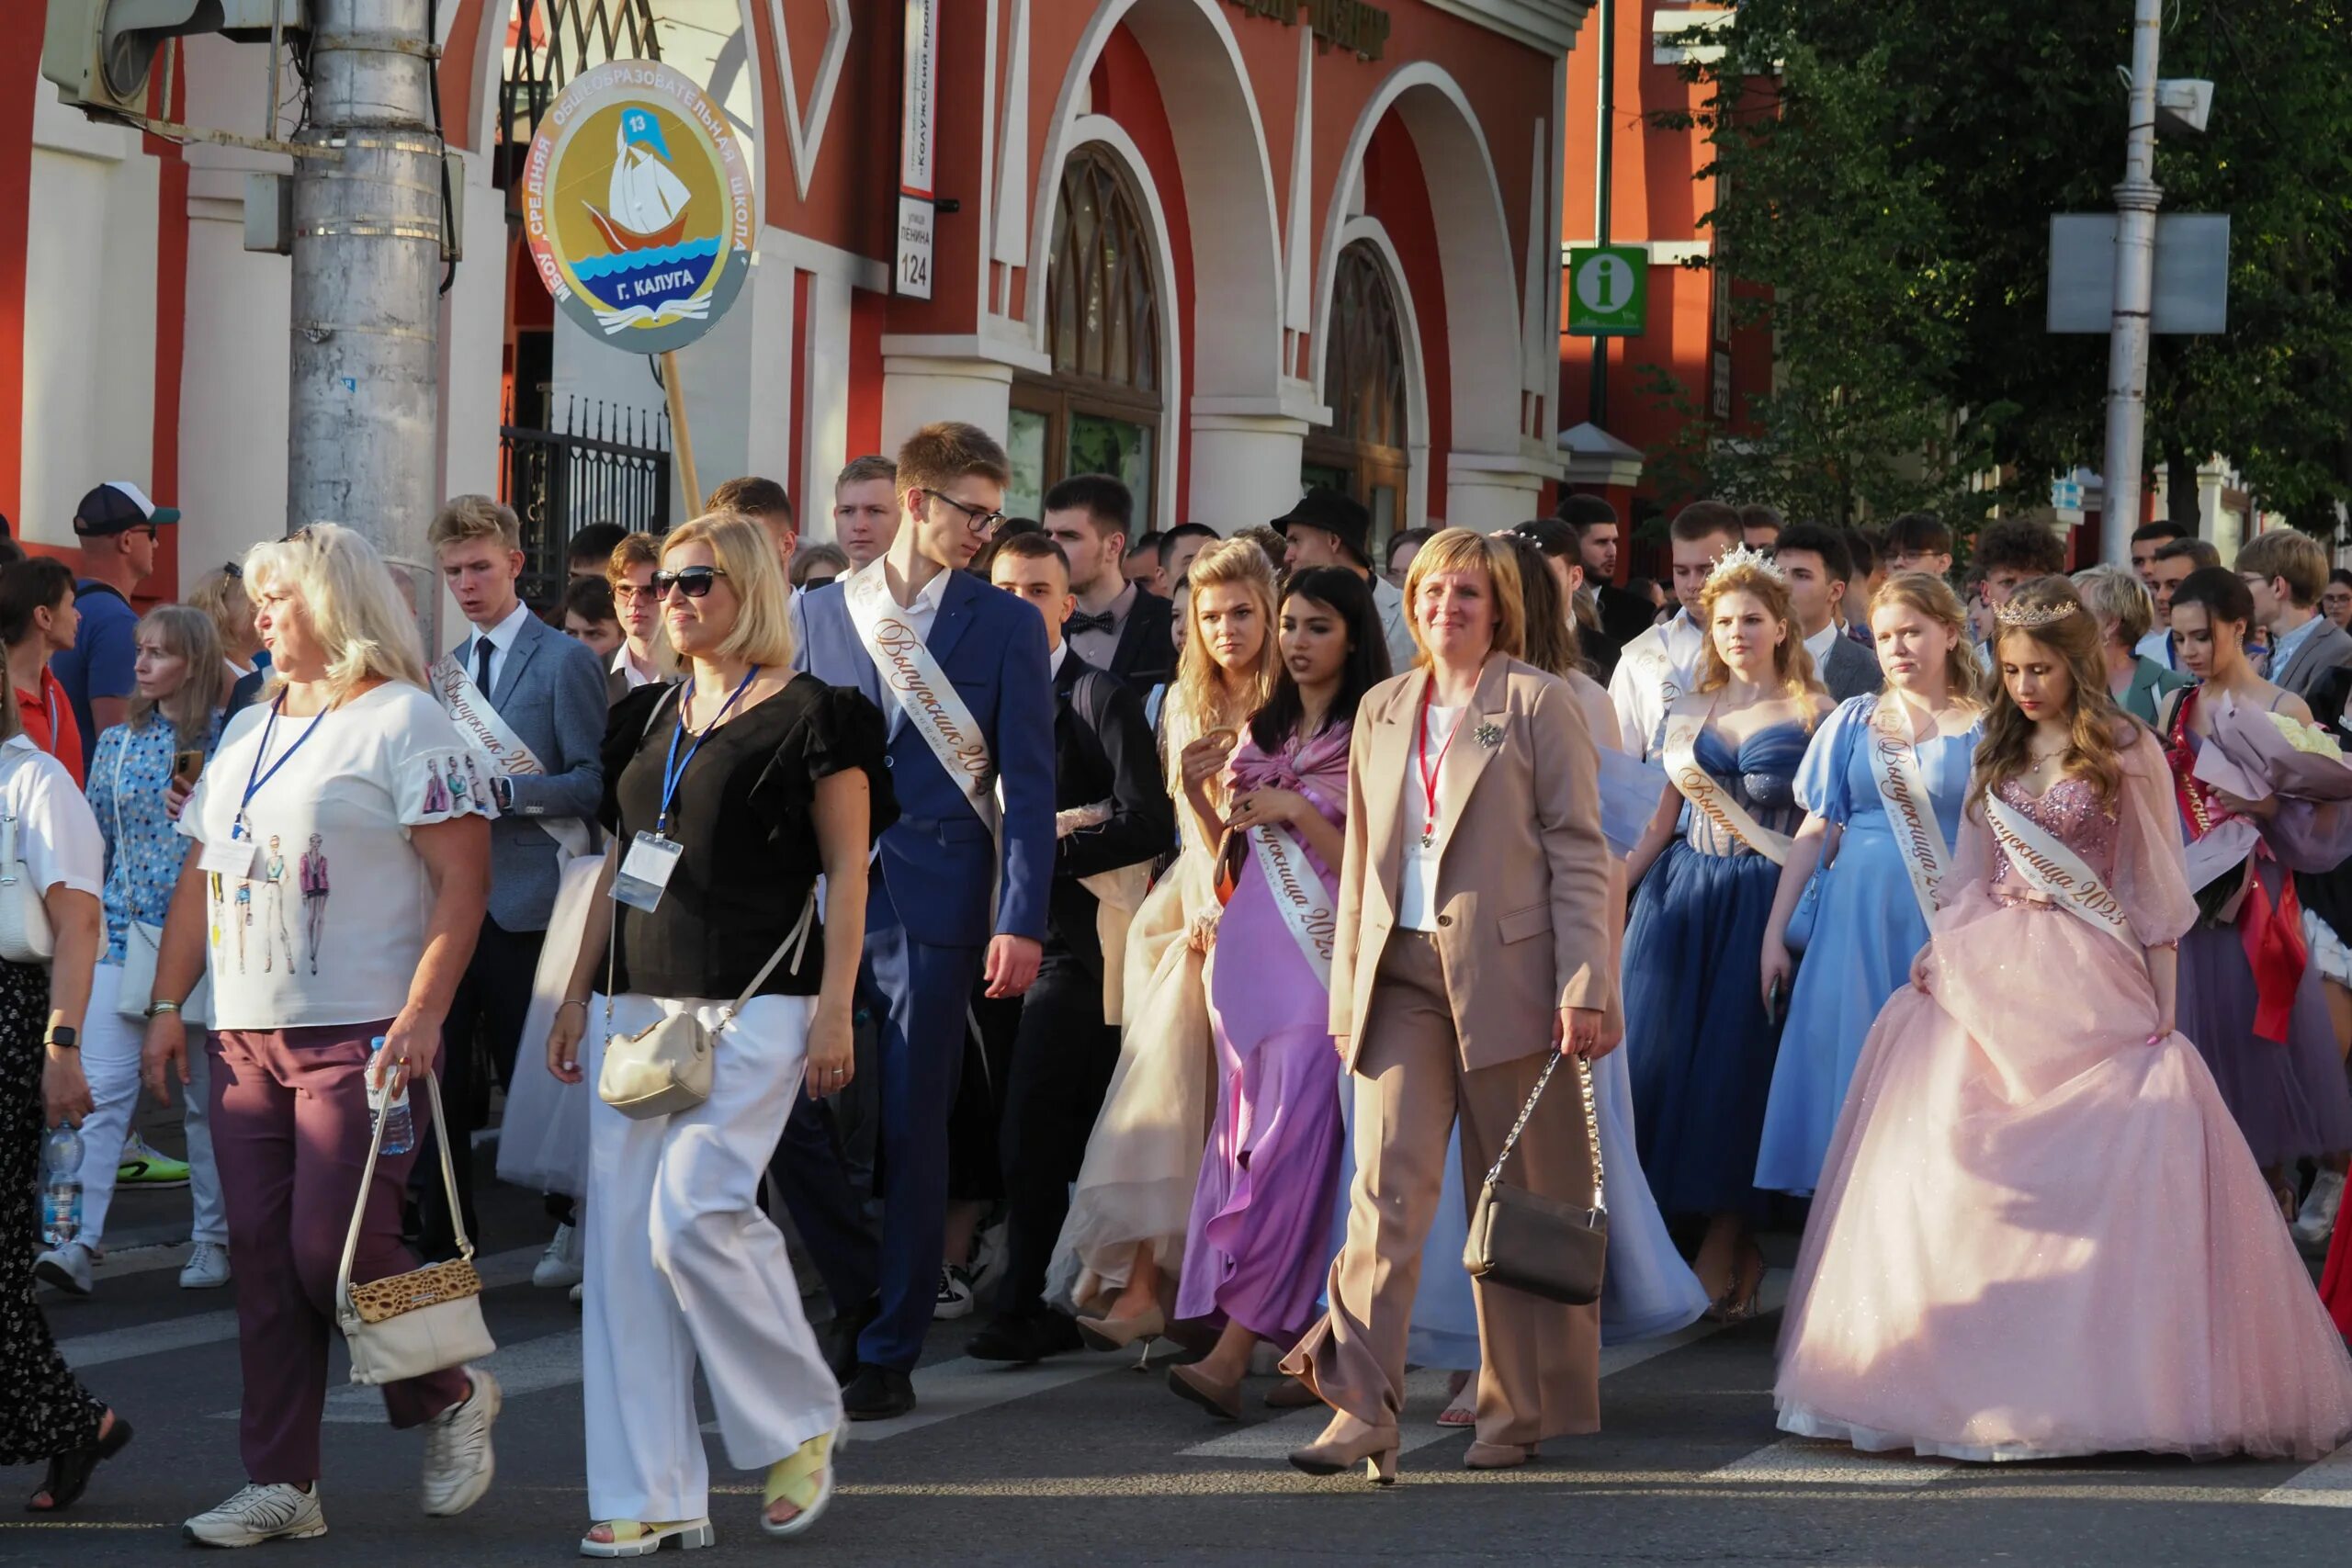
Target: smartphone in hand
point(186, 766)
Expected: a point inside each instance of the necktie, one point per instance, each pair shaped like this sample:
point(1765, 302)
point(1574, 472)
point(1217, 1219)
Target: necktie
point(1082, 622)
point(483, 649)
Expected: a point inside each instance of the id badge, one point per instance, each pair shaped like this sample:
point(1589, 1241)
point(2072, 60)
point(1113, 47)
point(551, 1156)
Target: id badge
point(646, 871)
point(228, 857)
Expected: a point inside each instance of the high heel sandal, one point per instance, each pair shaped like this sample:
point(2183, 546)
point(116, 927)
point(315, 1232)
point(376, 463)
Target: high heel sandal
point(1741, 1298)
point(1498, 1456)
point(803, 1478)
point(1118, 1333)
point(1462, 1401)
point(69, 1473)
point(1374, 1449)
point(639, 1537)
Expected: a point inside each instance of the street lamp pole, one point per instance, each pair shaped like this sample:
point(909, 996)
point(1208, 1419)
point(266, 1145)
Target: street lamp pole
point(2137, 200)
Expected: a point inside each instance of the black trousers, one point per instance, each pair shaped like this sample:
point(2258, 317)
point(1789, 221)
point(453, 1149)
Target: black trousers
point(482, 1034)
point(1063, 1055)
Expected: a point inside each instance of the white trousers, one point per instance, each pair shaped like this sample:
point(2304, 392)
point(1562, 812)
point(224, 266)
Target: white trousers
point(681, 1266)
point(110, 1048)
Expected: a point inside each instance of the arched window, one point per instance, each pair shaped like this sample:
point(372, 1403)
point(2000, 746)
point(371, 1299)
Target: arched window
point(1099, 412)
point(1362, 451)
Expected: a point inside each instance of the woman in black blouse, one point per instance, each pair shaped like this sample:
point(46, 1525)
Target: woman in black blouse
point(732, 791)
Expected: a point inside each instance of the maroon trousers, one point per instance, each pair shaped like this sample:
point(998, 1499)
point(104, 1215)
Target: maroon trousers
point(290, 1132)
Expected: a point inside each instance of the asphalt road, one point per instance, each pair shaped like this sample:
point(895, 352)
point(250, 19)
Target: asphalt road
point(1084, 1460)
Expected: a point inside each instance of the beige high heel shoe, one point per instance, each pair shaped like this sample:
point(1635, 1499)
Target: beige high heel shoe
point(1118, 1333)
point(1375, 1447)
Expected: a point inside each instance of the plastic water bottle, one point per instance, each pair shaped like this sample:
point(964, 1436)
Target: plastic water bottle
point(400, 1128)
point(61, 1186)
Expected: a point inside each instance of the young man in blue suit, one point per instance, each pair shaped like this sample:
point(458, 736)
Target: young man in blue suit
point(530, 702)
point(960, 887)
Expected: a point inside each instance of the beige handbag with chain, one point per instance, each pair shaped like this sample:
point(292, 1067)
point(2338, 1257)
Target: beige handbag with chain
point(426, 1320)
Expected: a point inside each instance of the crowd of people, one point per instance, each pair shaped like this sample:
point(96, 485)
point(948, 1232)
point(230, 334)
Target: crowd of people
point(1177, 936)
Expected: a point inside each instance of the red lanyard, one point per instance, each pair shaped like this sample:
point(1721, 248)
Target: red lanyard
point(1429, 773)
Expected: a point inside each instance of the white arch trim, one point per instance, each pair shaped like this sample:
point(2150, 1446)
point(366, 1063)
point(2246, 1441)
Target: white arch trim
point(1242, 359)
point(1369, 230)
point(1469, 300)
point(1101, 130)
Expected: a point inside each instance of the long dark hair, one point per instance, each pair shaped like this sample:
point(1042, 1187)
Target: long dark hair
point(1344, 594)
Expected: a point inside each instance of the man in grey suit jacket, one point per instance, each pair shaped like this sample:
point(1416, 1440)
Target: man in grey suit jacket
point(2286, 572)
point(1819, 569)
point(546, 691)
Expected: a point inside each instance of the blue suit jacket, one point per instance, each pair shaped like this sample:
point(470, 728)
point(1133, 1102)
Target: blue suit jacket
point(937, 859)
point(551, 694)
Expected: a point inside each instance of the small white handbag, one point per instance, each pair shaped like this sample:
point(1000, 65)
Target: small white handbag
point(24, 934)
point(142, 944)
point(426, 1320)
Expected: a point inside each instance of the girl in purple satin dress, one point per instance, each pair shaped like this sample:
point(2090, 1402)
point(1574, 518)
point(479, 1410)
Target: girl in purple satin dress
point(1260, 1238)
point(2038, 1232)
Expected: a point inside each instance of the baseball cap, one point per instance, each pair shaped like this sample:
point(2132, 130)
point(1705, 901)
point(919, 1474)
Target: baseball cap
point(117, 507)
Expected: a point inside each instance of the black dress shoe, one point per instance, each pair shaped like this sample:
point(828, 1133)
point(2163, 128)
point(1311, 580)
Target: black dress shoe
point(1024, 1338)
point(878, 1393)
point(837, 1339)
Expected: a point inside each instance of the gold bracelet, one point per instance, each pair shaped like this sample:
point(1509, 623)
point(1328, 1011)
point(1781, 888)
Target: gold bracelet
point(583, 1006)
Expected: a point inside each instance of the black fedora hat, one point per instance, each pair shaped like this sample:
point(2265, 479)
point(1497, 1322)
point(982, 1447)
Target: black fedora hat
point(1325, 508)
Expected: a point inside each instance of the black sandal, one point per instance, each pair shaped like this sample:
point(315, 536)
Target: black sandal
point(69, 1473)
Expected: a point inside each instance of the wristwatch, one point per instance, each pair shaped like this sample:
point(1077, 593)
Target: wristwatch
point(64, 1038)
point(153, 1009)
point(502, 790)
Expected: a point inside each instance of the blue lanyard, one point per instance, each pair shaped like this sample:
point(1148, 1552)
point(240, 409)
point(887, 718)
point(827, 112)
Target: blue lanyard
point(256, 778)
point(674, 770)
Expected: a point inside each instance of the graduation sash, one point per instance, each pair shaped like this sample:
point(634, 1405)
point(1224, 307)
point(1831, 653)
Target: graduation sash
point(933, 708)
point(488, 734)
point(1304, 904)
point(1910, 809)
point(2056, 872)
point(1710, 798)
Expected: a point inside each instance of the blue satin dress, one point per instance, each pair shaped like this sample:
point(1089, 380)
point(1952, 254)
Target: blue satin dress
point(1866, 930)
point(1698, 1043)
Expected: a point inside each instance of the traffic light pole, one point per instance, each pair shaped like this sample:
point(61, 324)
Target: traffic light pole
point(2137, 200)
point(1604, 142)
point(367, 252)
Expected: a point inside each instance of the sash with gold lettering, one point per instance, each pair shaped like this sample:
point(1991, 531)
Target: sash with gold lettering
point(484, 731)
point(1307, 906)
point(1910, 809)
point(1709, 798)
point(935, 709)
point(2054, 871)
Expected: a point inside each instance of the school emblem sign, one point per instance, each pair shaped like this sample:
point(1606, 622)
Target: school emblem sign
point(637, 205)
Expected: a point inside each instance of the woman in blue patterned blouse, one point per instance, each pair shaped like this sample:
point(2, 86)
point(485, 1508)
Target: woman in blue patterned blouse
point(176, 709)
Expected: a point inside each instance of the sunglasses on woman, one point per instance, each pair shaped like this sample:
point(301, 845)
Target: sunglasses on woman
point(693, 582)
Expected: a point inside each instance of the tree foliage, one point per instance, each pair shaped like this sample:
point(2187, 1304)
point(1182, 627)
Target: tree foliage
point(1887, 171)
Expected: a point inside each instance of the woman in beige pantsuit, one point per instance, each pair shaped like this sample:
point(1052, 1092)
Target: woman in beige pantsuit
point(1471, 942)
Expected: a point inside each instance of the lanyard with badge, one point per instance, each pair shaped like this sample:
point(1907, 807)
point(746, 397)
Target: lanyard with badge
point(652, 859)
point(236, 857)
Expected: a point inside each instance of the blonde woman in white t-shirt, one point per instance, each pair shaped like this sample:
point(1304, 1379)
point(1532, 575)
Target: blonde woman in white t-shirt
point(343, 754)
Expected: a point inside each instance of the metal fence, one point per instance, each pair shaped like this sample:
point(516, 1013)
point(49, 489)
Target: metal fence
point(605, 465)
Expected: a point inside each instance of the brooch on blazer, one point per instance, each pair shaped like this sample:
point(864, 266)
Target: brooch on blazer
point(1489, 735)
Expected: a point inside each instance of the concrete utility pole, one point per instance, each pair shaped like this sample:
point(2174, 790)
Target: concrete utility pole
point(2137, 200)
point(365, 393)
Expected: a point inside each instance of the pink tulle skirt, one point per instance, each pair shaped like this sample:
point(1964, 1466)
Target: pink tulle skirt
point(2037, 1234)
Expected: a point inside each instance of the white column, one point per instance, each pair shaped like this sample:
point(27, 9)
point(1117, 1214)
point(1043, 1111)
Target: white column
point(233, 376)
point(473, 341)
point(1483, 492)
point(918, 390)
point(824, 427)
point(1245, 469)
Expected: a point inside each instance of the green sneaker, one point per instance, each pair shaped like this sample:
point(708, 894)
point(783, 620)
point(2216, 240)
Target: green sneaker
point(143, 1166)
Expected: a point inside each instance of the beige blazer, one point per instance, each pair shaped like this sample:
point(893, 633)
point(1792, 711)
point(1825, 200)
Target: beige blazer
point(1523, 884)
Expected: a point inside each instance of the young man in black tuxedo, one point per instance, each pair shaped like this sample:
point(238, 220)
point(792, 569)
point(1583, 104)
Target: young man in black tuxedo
point(1114, 626)
point(1113, 812)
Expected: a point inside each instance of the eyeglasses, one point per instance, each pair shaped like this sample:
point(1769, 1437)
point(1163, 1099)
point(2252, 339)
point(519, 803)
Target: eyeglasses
point(979, 522)
point(233, 571)
point(624, 592)
point(693, 582)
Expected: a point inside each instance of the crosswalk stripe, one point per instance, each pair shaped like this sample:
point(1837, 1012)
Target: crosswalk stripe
point(549, 1361)
point(945, 1390)
point(1812, 1461)
point(83, 1351)
point(2327, 1485)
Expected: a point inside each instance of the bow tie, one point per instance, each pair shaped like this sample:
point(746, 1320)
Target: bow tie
point(1082, 622)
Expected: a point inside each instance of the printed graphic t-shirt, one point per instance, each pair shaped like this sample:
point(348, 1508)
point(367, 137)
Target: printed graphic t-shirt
point(326, 924)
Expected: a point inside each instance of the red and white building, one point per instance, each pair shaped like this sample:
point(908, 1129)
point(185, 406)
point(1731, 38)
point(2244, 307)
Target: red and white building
point(1215, 245)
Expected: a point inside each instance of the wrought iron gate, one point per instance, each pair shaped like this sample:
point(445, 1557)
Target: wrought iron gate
point(605, 465)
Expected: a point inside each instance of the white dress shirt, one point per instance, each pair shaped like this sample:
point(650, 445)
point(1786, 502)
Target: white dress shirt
point(1097, 647)
point(2157, 645)
point(1395, 626)
point(626, 665)
point(502, 643)
point(1659, 657)
point(920, 615)
point(1054, 660)
point(1820, 643)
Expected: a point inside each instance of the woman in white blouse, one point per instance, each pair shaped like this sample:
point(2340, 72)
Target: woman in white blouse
point(340, 872)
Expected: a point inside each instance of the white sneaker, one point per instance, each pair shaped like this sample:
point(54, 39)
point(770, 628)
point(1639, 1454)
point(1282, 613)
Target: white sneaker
point(457, 1459)
point(207, 1268)
point(559, 1266)
point(67, 1267)
point(256, 1514)
point(955, 1298)
point(2316, 1224)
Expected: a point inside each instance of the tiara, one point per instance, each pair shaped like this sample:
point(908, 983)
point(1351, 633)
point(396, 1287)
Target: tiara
point(1741, 556)
point(2029, 617)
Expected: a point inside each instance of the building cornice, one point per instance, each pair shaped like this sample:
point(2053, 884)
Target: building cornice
point(1550, 26)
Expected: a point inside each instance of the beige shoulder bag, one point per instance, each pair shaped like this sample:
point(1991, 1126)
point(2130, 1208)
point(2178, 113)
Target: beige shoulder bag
point(427, 1319)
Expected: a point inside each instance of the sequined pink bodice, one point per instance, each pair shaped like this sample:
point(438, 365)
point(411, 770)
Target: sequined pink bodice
point(2070, 811)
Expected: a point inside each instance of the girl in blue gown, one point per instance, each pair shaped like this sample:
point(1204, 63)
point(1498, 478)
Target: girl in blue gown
point(1699, 1036)
point(1867, 920)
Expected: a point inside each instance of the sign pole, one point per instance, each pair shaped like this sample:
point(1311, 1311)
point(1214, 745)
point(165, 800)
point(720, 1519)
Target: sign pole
point(2136, 200)
point(682, 442)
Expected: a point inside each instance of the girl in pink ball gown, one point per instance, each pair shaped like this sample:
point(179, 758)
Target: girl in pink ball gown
point(2040, 1232)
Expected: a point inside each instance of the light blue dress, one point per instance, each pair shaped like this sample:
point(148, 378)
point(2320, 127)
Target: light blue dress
point(1867, 930)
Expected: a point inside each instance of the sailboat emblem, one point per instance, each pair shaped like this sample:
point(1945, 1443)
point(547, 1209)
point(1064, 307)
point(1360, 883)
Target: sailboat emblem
point(646, 203)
